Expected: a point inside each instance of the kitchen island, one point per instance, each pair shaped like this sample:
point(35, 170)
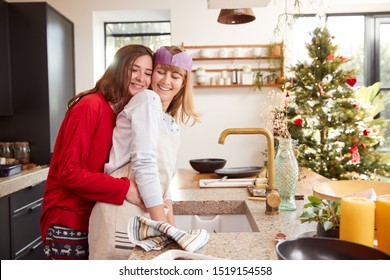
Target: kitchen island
point(189, 198)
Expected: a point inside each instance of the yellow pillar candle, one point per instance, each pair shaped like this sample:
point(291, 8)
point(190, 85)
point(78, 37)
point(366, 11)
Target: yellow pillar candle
point(382, 220)
point(357, 220)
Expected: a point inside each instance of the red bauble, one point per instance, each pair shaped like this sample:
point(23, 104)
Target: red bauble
point(363, 146)
point(366, 132)
point(355, 105)
point(330, 57)
point(298, 121)
point(342, 58)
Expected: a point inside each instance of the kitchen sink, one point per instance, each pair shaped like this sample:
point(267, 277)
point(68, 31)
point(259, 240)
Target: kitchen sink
point(215, 223)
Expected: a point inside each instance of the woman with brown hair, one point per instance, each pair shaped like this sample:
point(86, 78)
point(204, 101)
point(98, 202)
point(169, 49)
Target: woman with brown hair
point(76, 180)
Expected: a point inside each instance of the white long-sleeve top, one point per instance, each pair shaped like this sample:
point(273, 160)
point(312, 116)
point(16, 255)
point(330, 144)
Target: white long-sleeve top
point(135, 140)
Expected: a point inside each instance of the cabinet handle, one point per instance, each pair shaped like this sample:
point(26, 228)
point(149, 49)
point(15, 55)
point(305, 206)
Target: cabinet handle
point(36, 246)
point(34, 207)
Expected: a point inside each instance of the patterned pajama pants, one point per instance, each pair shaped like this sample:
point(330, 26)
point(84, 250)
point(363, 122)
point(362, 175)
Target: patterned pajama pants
point(64, 243)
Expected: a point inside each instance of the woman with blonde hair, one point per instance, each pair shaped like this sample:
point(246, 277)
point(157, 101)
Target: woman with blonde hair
point(145, 144)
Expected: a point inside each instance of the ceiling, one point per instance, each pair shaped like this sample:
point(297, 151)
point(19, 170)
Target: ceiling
point(233, 4)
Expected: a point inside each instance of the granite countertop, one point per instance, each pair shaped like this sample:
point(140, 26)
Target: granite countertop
point(24, 179)
point(190, 199)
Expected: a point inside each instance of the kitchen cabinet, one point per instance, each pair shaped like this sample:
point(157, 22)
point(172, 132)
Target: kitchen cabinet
point(5, 76)
point(42, 76)
point(20, 218)
point(237, 65)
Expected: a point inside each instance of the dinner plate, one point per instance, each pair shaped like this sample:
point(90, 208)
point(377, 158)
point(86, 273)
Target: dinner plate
point(238, 172)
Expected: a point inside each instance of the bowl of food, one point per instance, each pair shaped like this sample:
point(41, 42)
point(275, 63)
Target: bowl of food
point(207, 165)
point(322, 248)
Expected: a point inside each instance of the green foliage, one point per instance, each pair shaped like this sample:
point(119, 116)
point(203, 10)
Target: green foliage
point(324, 212)
point(336, 125)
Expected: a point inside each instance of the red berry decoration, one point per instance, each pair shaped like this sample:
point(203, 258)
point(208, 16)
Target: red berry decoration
point(363, 146)
point(355, 105)
point(366, 132)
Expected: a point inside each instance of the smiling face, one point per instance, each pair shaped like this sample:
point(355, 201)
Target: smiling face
point(140, 74)
point(167, 81)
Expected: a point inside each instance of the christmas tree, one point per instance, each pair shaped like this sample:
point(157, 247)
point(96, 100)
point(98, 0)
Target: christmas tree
point(334, 123)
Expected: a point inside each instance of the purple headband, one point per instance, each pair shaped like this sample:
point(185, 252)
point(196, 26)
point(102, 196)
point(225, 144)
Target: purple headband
point(182, 60)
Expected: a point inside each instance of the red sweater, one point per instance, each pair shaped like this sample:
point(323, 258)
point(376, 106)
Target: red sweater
point(76, 179)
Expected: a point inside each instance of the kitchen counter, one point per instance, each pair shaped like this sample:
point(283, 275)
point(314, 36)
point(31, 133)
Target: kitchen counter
point(189, 198)
point(22, 180)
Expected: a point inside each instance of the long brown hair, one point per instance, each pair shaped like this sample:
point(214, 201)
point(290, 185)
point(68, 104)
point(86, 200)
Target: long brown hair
point(182, 105)
point(114, 83)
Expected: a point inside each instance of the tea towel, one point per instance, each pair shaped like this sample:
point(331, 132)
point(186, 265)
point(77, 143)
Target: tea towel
point(154, 235)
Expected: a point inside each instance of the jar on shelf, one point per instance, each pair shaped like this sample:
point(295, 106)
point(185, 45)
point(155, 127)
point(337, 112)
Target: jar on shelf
point(6, 150)
point(22, 152)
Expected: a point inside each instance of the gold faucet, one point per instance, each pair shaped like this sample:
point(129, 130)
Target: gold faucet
point(272, 195)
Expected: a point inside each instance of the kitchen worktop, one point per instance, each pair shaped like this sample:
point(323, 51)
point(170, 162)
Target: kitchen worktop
point(189, 198)
point(24, 179)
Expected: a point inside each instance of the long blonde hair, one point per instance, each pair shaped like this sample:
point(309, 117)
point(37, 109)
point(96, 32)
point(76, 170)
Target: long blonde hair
point(182, 105)
point(115, 81)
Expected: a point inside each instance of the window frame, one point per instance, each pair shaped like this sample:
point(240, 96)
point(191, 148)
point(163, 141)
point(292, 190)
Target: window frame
point(131, 34)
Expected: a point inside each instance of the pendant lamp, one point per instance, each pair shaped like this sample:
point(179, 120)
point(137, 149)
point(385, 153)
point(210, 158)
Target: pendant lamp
point(236, 16)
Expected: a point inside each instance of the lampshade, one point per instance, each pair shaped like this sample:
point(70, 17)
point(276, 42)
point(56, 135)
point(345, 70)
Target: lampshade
point(236, 16)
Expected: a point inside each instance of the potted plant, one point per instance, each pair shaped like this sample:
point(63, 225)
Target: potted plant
point(326, 213)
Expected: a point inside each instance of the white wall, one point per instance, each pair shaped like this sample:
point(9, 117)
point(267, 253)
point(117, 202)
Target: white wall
point(194, 24)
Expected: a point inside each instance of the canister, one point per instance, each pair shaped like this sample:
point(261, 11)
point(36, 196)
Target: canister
point(6, 150)
point(22, 152)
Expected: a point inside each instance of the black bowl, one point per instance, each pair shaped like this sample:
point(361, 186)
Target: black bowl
point(207, 165)
point(322, 248)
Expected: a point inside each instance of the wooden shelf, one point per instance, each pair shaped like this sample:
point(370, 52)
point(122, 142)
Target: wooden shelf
point(231, 70)
point(216, 59)
point(234, 86)
point(237, 58)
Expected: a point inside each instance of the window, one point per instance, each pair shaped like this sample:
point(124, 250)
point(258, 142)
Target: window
point(149, 33)
point(362, 38)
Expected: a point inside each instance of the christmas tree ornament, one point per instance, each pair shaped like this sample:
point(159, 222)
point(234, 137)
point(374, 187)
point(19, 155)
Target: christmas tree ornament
point(355, 156)
point(322, 92)
point(342, 58)
point(366, 132)
point(330, 57)
point(298, 121)
point(351, 81)
point(327, 79)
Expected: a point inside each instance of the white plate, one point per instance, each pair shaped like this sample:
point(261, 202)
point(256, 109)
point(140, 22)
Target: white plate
point(310, 233)
point(234, 183)
point(182, 255)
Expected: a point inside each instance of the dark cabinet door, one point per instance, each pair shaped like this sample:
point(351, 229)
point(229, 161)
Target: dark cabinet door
point(5, 76)
point(5, 232)
point(42, 71)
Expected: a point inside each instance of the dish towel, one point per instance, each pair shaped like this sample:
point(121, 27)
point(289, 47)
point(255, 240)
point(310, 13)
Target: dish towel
point(154, 235)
